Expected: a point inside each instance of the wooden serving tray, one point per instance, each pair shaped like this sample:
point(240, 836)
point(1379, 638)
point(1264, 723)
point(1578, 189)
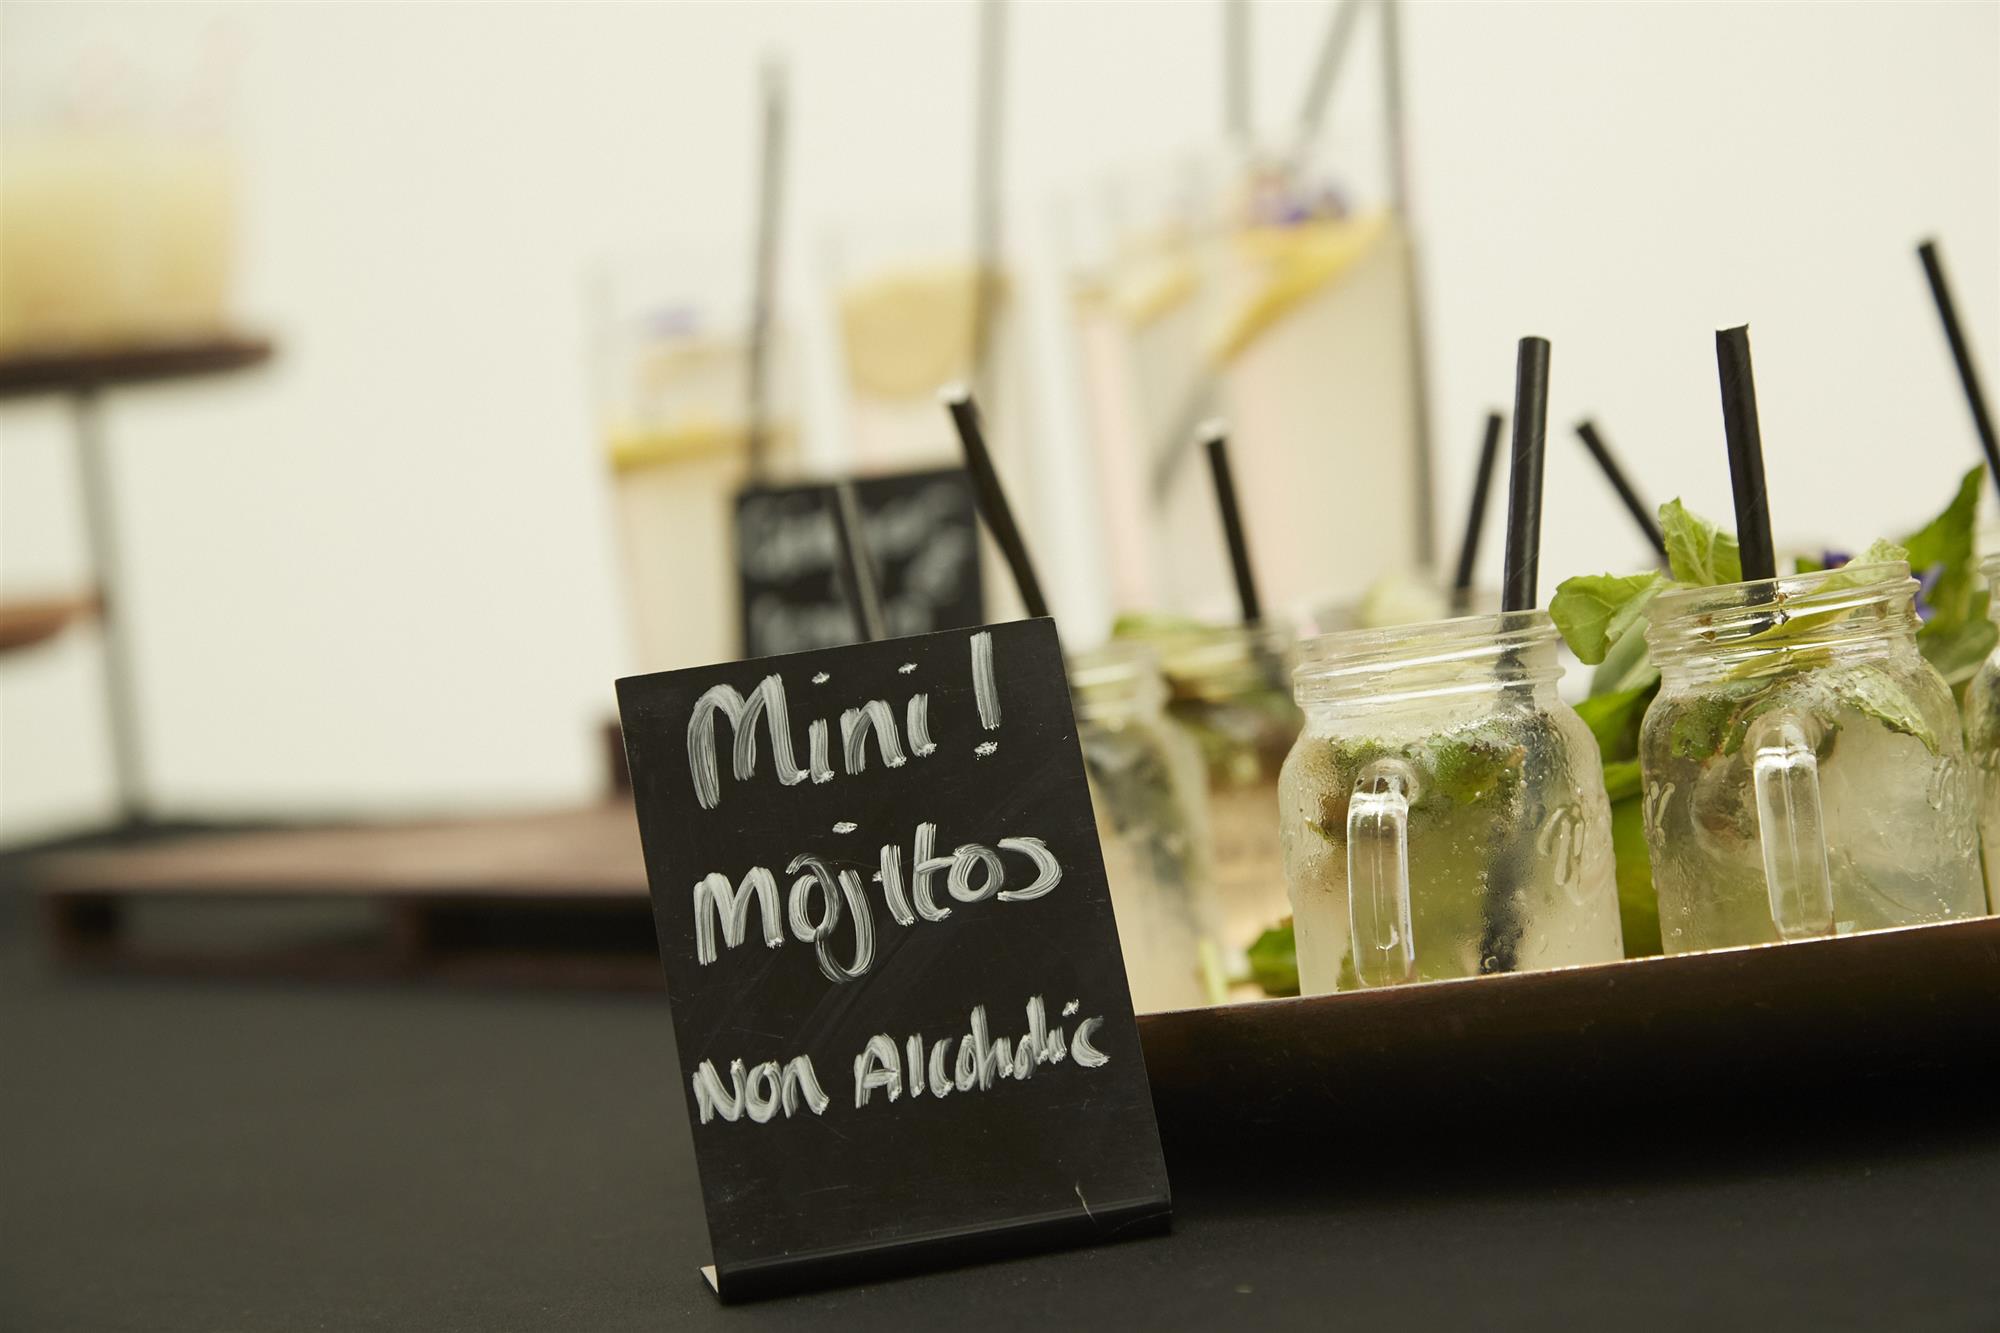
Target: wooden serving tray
point(1570, 1051)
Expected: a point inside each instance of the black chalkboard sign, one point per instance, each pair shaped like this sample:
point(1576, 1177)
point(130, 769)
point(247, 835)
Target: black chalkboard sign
point(921, 530)
point(899, 1006)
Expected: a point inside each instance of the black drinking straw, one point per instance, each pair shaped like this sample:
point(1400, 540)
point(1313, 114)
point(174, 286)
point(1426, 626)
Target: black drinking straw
point(1215, 438)
point(1475, 517)
point(1961, 355)
point(1586, 431)
point(1746, 454)
point(993, 506)
point(857, 566)
point(770, 193)
point(1518, 590)
point(1514, 855)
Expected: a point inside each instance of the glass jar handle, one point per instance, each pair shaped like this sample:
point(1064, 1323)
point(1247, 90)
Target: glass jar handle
point(1378, 874)
point(1785, 770)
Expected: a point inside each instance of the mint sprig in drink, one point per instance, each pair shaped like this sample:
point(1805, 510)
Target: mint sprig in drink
point(1430, 753)
point(1801, 775)
point(1803, 770)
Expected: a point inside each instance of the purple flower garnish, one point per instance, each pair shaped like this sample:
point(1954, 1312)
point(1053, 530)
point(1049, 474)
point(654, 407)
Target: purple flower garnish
point(1834, 559)
point(1927, 582)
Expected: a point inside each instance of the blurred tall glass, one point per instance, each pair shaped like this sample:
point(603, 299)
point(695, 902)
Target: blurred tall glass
point(1146, 786)
point(1281, 301)
point(1229, 687)
point(916, 311)
point(673, 361)
point(118, 188)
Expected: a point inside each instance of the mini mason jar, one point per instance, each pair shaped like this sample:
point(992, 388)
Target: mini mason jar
point(1982, 743)
point(1802, 764)
point(1147, 790)
point(1229, 687)
point(1444, 811)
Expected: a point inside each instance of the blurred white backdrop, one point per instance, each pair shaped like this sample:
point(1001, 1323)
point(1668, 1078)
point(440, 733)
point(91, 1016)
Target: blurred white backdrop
point(377, 577)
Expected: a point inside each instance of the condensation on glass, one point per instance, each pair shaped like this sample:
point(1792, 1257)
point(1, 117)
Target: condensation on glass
point(1147, 788)
point(1229, 687)
point(1804, 774)
point(1444, 811)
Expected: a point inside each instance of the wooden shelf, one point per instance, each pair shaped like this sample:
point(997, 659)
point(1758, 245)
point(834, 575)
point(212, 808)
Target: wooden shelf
point(594, 850)
point(547, 899)
point(31, 621)
point(64, 370)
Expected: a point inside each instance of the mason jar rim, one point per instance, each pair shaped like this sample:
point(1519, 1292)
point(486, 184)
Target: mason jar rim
point(1119, 673)
point(1224, 650)
point(1728, 612)
point(1113, 661)
point(1350, 661)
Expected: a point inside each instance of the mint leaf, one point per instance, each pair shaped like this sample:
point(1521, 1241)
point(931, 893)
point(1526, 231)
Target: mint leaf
point(1614, 720)
point(1958, 649)
point(1853, 574)
point(1713, 722)
point(1594, 610)
point(1274, 960)
point(1946, 544)
point(1870, 690)
point(1621, 780)
point(1155, 625)
point(1698, 552)
point(1469, 769)
point(1698, 726)
point(1626, 666)
point(1638, 904)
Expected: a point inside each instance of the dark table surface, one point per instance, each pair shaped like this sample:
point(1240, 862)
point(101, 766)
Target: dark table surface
point(216, 1156)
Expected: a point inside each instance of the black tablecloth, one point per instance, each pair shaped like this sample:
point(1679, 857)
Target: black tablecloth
point(213, 1156)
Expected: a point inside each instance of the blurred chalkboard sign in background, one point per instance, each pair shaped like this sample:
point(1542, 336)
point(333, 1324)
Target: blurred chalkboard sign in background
point(903, 1028)
point(922, 532)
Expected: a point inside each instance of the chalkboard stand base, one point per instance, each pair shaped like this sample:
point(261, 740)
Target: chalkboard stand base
point(1103, 1224)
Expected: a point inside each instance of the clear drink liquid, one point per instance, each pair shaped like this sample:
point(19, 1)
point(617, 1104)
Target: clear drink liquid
point(1439, 757)
point(1802, 764)
point(1146, 789)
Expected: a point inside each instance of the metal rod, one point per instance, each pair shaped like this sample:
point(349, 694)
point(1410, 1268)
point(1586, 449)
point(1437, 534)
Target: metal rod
point(1325, 76)
point(988, 142)
point(1395, 129)
point(1236, 113)
point(121, 702)
point(764, 278)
